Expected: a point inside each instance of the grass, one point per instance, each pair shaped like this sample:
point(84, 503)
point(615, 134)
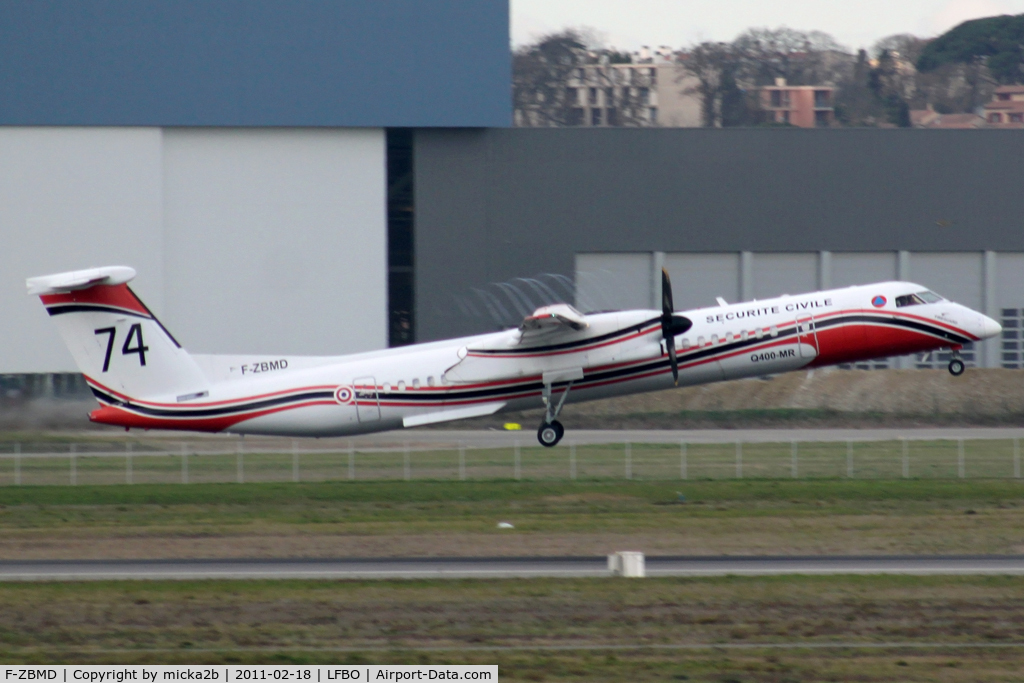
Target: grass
point(509, 622)
point(103, 462)
point(550, 517)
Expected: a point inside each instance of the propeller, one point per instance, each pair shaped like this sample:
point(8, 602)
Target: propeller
point(671, 324)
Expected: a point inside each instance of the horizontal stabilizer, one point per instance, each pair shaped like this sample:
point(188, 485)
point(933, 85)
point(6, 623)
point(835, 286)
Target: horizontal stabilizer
point(61, 283)
point(450, 415)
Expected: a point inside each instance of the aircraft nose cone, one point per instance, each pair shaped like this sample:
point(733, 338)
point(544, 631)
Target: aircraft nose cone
point(989, 327)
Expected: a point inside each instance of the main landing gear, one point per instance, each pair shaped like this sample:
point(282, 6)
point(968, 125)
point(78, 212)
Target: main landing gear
point(551, 430)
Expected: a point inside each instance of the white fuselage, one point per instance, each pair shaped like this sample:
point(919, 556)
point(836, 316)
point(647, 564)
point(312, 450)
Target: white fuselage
point(618, 353)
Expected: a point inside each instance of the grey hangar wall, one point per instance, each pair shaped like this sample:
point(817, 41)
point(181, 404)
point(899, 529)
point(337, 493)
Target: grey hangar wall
point(496, 205)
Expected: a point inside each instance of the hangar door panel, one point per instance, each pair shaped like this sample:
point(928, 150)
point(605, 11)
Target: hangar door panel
point(1010, 309)
point(954, 276)
point(698, 278)
point(606, 282)
point(850, 268)
point(777, 274)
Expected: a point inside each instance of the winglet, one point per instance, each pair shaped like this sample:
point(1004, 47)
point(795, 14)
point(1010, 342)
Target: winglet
point(61, 283)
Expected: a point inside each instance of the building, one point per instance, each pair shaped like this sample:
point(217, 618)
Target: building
point(649, 92)
point(238, 154)
point(804, 106)
point(1006, 110)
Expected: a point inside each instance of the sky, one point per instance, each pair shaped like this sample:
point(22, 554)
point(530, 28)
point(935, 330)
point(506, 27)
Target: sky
point(628, 24)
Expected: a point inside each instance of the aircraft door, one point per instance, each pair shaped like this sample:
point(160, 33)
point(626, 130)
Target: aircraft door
point(807, 336)
point(367, 400)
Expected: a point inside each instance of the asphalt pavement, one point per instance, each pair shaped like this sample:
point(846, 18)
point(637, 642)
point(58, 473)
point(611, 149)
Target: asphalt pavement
point(505, 567)
point(527, 436)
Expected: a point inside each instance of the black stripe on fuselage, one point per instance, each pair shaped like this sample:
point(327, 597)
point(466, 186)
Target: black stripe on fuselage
point(568, 345)
point(218, 411)
point(660, 364)
point(907, 323)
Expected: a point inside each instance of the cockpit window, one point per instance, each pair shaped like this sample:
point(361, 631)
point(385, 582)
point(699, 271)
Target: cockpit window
point(924, 297)
point(908, 300)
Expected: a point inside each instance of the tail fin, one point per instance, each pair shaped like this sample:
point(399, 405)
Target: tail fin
point(117, 342)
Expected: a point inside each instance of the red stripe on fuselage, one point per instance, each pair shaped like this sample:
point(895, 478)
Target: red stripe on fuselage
point(120, 417)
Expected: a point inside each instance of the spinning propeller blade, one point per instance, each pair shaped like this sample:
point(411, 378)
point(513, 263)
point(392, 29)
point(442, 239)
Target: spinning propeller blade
point(671, 324)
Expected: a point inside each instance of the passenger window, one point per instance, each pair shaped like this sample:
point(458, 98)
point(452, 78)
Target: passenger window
point(759, 333)
point(430, 381)
point(743, 335)
point(401, 385)
point(908, 300)
point(714, 339)
point(686, 343)
point(700, 341)
point(774, 331)
point(387, 387)
point(416, 383)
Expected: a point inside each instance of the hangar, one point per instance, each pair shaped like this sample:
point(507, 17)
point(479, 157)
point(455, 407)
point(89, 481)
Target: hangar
point(234, 153)
point(329, 177)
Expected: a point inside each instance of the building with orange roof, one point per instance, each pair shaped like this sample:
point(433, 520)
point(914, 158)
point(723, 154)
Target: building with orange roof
point(1006, 110)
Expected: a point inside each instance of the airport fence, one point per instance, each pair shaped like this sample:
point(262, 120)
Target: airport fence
point(91, 464)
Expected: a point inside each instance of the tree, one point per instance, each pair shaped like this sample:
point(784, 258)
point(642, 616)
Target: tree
point(801, 57)
point(540, 75)
point(856, 104)
point(906, 45)
point(889, 83)
point(994, 42)
point(708, 63)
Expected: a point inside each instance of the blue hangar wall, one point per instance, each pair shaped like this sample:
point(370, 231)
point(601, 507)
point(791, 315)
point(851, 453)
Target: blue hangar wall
point(383, 63)
point(234, 152)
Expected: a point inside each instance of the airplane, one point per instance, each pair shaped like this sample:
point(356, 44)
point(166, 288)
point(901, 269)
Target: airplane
point(143, 378)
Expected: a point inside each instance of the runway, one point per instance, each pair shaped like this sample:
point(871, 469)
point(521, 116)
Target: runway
point(581, 437)
point(509, 567)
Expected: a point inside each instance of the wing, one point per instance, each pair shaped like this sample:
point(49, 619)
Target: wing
point(509, 357)
point(551, 319)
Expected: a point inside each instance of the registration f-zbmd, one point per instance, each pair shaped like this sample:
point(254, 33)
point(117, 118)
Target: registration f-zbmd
point(142, 377)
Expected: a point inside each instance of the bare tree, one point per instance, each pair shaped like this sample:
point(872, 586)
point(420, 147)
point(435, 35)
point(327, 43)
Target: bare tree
point(708, 63)
point(541, 72)
point(801, 57)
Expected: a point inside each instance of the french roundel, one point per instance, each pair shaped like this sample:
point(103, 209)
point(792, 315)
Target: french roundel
point(878, 301)
point(343, 394)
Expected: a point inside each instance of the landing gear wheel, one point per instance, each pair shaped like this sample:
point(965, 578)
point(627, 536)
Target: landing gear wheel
point(550, 433)
point(956, 367)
